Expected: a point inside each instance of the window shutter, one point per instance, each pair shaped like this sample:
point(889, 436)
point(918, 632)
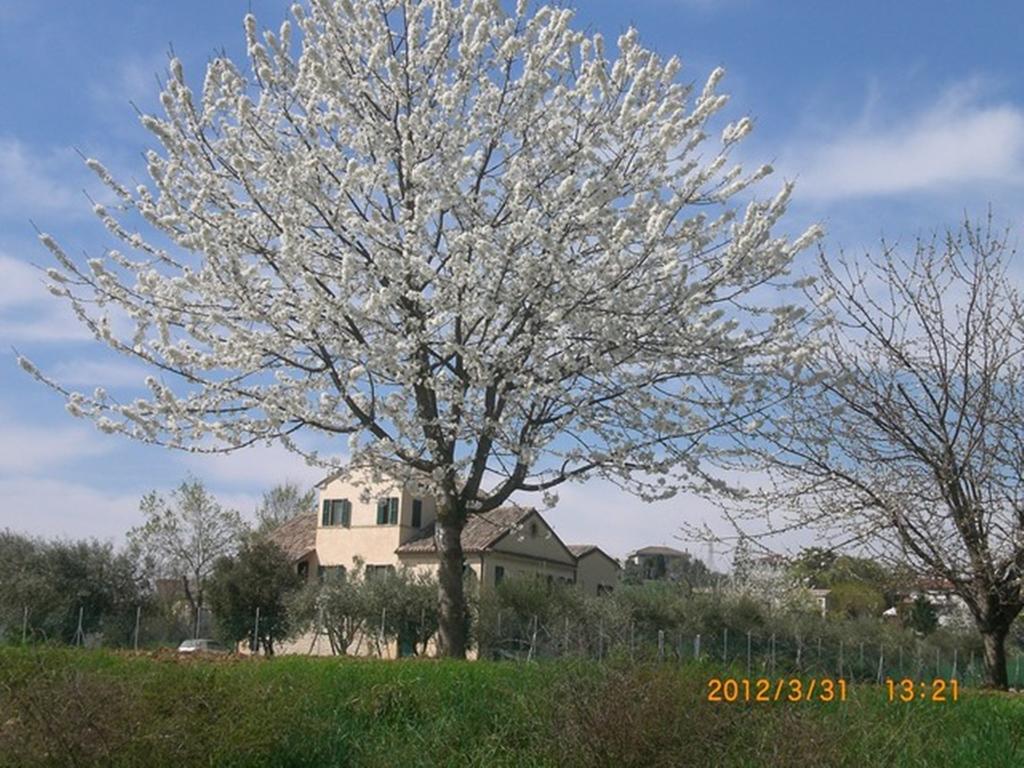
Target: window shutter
point(325, 518)
point(346, 513)
point(393, 511)
point(382, 511)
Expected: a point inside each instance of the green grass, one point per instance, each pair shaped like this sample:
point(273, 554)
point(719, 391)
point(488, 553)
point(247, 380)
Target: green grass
point(73, 707)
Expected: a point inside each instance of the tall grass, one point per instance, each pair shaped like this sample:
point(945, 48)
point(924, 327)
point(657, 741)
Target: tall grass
point(97, 708)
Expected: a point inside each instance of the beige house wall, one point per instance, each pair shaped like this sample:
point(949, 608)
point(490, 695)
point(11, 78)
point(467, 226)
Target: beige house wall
point(519, 566)
point(364, 538)
point(595, 570)
point(534, 538)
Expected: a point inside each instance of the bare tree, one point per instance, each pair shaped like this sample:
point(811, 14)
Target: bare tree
point(283, 502)
point(493, 258)
point(907, 438)
point(183, 538)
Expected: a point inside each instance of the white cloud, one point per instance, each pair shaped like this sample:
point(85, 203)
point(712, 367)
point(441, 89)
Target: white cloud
point(27, 310)
point(52, 507)
point(133, 80)
point(27, 448)
point(36, 182)
point(258, 466)
point(957, 141)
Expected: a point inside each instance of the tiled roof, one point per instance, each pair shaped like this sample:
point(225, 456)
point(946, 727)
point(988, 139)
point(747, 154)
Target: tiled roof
point(582, 550)
point(480, 533)
point(297, 537)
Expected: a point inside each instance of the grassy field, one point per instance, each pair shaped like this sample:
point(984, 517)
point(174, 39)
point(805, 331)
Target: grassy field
point(73, 707)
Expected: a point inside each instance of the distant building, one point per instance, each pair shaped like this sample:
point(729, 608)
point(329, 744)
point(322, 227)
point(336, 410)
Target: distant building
point(657, 562)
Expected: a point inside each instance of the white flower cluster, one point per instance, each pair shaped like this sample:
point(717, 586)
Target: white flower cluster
point(465, 238)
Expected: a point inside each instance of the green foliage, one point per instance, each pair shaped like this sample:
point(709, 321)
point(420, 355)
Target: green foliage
point(54, 580)
point(357, 612)
point(281, 503)
point(820, 568)
point(920, 616)
point(261, 576)
point(856, 600)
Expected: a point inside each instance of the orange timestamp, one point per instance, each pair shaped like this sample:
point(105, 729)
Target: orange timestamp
point(938, 690)
point(732, 690)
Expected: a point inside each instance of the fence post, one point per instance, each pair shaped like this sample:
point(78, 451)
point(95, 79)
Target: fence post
point(840, 658)
point(383, 636)
point(725, 645)
point(79, 632)
point(696, 647)
point(533, 639)
point(138, 620)
point(953, 676)
point(881, 657)
point(773, 653)
point(255, 632)
point(748, 654)
point(799, 650)
point(632, 641)
point(661, 645)
point(24, 626)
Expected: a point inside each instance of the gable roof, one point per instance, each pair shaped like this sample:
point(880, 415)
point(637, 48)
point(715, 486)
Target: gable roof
point(482, 531)
point(579, 551)
point(297, 537)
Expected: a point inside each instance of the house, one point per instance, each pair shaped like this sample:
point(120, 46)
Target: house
point(596, 572)
point(385, 526)
point(657, 562)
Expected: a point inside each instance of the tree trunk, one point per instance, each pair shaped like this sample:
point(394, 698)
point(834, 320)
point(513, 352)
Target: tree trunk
point(995, 658)
point(453, 629)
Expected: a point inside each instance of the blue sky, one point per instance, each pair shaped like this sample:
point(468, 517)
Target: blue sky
point(894, 118)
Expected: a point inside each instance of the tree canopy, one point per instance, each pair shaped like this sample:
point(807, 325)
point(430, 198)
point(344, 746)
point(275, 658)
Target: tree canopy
point(484, 249)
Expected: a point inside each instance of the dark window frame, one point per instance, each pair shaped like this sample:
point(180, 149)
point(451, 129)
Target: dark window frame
point(336, 513)
point(417, 513)
point(387, 511)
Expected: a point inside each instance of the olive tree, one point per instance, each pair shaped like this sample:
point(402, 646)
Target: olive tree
point(492, 254)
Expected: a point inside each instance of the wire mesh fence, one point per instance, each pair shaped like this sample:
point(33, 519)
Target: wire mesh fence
point(516, 637)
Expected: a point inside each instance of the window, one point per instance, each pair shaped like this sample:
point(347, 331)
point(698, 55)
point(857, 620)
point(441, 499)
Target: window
point(533, 529)
point(387, 511)
point(337, 512)
point(330, 572)
point(499, 575)
point(303, 569)
point(417, 513)
point(379, 571)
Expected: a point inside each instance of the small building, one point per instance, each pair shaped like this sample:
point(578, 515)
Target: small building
point(656, 562)
point(597, 572)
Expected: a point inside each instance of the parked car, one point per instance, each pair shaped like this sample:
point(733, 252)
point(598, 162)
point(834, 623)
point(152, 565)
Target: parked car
point(201, 645)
